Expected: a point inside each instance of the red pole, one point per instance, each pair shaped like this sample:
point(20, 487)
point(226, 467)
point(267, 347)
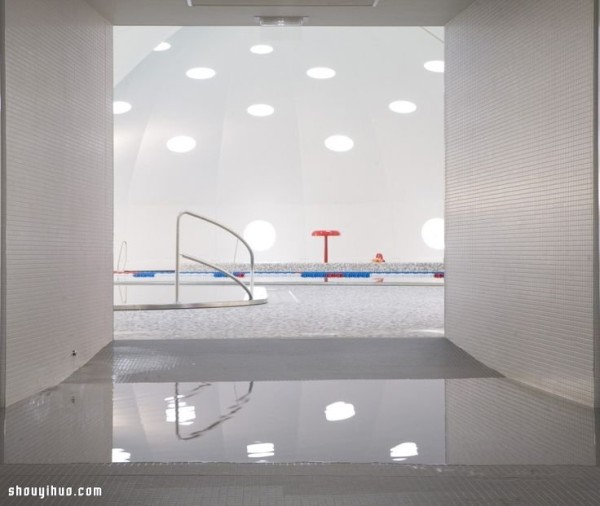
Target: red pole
point(326, 250)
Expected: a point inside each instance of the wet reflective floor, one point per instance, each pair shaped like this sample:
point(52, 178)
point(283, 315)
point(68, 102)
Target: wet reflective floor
point(411, 421)
point(286, 421)
point(407, 401)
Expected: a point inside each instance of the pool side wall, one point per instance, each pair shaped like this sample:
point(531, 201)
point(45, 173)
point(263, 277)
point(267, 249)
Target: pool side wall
point(521, 191)
point(58, 191)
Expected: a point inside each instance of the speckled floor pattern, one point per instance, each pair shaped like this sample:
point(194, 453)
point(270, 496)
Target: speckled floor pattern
point(301, 311)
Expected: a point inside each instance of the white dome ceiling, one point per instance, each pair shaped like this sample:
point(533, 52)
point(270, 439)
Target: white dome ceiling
point(276, 167)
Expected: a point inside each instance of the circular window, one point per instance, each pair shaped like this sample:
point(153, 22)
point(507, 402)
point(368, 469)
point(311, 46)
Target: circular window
point(260, 234)
point(433, 233)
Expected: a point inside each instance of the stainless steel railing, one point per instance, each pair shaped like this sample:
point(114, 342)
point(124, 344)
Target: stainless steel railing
point(230, 275)
point(122, 256)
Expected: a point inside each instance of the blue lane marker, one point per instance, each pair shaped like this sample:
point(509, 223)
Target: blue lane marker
point(335, 274)
point(305, 274)
point(144, 274)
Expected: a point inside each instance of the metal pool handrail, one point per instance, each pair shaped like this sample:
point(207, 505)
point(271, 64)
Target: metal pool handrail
point(121, 251)
point(222, 271)
point(178, 255)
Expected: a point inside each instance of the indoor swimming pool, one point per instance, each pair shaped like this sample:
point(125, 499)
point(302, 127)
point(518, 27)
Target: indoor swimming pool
point(285, 277)
point(139, 290)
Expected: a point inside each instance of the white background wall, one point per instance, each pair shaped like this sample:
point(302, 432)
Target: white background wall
point(59, 179)
point(277, 169)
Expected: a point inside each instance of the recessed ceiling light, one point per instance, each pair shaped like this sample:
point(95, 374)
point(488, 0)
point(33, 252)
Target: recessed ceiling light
point(403, 107)
point(435, 66)
point(320, 73)
point(261, 110)
point(280, 21)
point(260, 234)
point(201, 73)
point(433, 233)
point(339, 143)
point(181, 144)
point(121, 107)
point(163, 46)
point(261, 49)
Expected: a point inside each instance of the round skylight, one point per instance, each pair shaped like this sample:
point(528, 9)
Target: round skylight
point(163, 46)
point(320, 73)
point(433, 233)
point(261, 49)
point(260, 234)
point(435, 66)
point(403, 107)
point(181, 144)
point(201, 73)
point(339, 143)
point(121, 107)
point(261, 110)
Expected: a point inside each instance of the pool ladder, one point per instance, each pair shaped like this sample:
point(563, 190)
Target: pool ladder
point(230, 275)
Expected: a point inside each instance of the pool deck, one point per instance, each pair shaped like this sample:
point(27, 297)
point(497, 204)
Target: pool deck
point(295, 311)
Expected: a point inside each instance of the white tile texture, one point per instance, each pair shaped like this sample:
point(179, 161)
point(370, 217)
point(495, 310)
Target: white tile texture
point(69, 424)
point(493, 421)
point(520, 190)
point(59, 190)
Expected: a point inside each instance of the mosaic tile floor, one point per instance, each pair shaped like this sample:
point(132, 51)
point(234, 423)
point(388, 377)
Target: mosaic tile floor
point(301, 311)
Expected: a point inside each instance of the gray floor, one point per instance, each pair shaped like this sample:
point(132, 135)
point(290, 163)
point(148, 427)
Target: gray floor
point(496, 442)
point(311, 485)
point(279, 360)
point(302, 311)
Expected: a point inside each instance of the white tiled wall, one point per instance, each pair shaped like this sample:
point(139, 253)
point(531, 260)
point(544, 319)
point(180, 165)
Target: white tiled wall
point(520, 190)
point(59, 190)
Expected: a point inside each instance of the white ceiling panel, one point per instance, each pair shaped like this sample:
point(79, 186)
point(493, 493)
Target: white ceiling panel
point(241, 13)
point(283, 3)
